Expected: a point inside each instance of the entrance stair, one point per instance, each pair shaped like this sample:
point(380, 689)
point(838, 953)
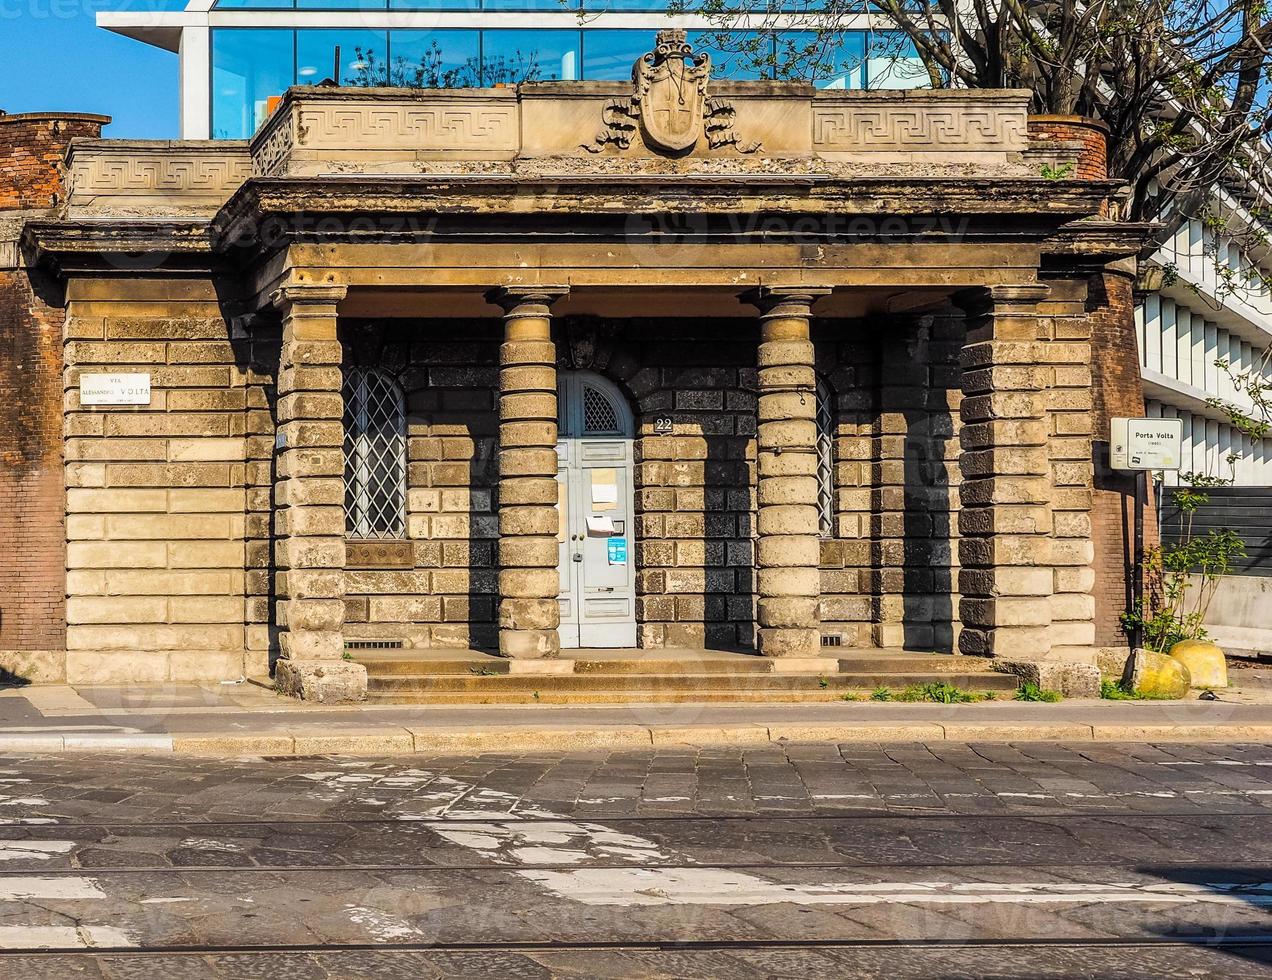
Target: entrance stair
point(660, 676)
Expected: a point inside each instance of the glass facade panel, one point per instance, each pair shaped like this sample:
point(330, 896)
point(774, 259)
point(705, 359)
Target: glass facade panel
point(435, 59)
point(364, 56)
point(341, 4)
point(628, 6)
point(434, 4)
point(608, 56)
point(553, 5)
point(829, 59)
point(748, 55)
point(509, 57)
point(893, 62)
point(248, 66)
point(252, 5)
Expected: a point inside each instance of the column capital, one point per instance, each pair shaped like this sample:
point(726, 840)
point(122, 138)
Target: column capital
point(512, 297)
point(983, 300)
point(766, 297)
point(305, 294)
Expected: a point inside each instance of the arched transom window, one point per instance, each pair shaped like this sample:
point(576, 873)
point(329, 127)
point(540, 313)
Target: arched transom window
point(825, 459)
point(374, 455)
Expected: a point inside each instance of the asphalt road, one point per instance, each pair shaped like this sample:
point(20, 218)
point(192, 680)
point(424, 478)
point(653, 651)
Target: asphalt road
point(1025, 860)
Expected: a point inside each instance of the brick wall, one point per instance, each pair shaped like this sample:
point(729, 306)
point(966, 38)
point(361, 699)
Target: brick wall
point(32, 561)
point(1091, 135)
point(31, 149)
point(1118, 391)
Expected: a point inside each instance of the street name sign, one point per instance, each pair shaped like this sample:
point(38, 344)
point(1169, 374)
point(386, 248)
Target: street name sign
point(114, 389)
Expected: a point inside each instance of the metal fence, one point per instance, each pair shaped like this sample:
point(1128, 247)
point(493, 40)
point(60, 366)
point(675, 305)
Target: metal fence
point(1245, 510)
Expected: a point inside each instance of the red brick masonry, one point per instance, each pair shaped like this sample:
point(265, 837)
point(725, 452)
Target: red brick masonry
point(32, 538)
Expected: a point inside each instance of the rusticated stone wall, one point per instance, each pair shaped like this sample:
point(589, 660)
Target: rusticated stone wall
point(443, 594)
point(156, 496)
point(890, 574)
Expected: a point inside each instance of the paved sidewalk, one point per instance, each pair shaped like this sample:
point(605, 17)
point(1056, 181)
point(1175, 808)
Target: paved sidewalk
point(248, 719)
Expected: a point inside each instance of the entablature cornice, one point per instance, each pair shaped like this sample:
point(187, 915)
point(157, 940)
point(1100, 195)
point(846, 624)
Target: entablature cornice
point(126, 246)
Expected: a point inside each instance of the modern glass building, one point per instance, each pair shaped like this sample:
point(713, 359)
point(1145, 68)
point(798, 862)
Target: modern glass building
point(236, 54)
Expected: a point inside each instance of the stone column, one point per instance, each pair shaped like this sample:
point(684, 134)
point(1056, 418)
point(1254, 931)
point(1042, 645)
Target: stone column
point(1007, 576)
point(788, 549)
point(309, 522)
point(528, 519)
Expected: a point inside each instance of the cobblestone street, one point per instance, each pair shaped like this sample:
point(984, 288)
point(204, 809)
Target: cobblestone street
point(803, 860)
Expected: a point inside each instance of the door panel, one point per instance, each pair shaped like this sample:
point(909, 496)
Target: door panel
point(598, 596)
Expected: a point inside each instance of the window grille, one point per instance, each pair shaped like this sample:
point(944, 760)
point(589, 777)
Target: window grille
point(825, 459)
point(599, 414)
point(374, 455)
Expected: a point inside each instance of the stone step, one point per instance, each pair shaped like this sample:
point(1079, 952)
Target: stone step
point(684, 683)
point(619, 697)
point(410, 662)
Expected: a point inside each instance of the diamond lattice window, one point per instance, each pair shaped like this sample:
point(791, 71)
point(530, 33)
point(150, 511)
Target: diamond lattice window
point(599, 414)
point(374, 454)
point(825, 459)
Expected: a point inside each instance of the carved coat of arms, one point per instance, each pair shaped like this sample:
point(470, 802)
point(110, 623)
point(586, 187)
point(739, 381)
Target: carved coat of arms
point(670, 103)
point(671, 92)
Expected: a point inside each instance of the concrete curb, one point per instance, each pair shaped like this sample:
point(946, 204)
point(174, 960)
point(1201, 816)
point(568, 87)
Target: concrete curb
point(441, 741)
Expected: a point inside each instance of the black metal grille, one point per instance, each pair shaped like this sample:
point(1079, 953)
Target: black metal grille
point(599, 414)
point(825, 459)
point(374, 454)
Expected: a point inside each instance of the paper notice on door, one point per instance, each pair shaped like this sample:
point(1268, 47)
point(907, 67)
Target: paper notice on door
point(600, 525)
point(604, 489)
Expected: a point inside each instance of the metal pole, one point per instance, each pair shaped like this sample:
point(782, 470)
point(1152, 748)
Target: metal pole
point(1137, 573)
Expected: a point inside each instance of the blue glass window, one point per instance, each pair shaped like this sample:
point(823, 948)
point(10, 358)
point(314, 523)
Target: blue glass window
point(749, 56)
point(828, 59)
point(608, 56)
point(364, 56)
point(893, 62)
point(509, 57)
point(434, 4)
point(248, 66)
point(435, 59)
point(628, 5)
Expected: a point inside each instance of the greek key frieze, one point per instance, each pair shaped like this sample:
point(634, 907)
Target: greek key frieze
point(441, 127)
point(165, 174)
point(964, 127)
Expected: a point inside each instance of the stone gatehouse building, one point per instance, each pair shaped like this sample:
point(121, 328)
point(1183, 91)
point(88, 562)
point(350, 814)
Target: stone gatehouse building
point(574, 365)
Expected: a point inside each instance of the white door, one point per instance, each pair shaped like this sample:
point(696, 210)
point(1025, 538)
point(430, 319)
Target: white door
point(597, 557)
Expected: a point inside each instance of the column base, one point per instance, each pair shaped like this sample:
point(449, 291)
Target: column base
point(790, 642)
point(323, 681)
point(529, 644)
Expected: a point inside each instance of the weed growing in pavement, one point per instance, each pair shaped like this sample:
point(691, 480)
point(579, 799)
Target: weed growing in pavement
point(881, 694)
point(1118, 691)
point(939, 692)
point(823, 683)
point(346, 655)
point(851, 696)
point(1029, 691)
